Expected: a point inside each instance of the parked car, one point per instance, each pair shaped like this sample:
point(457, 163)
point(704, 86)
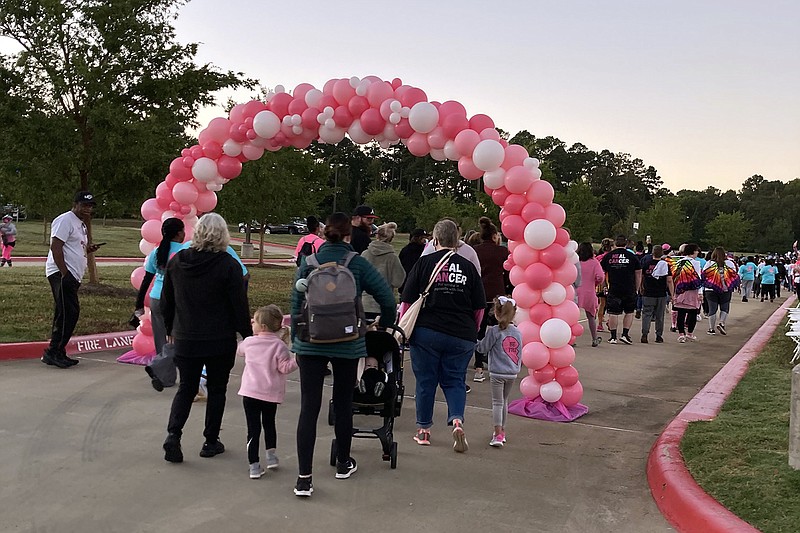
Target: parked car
point(296, 226)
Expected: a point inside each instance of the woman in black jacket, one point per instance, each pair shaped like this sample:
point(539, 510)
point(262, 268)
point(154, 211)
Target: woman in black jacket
point(204, 304)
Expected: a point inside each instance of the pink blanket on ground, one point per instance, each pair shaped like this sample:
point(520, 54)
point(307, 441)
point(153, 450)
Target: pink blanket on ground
point(542, 410)
point(133, 358)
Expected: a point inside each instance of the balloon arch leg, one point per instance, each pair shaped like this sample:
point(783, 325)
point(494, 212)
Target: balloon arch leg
point(542, 264)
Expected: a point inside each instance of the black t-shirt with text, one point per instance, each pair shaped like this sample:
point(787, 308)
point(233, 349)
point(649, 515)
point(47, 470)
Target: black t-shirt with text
point(621, 265)
point(653, 287)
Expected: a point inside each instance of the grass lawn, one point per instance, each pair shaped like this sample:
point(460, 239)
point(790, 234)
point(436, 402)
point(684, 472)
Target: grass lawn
point(27, 303)
point(741, 457)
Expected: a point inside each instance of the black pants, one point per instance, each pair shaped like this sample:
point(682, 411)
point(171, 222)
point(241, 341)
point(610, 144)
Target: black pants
point(687, 320)
point(768, 291)
point(67, 309)
point(190, 357)
point(312, 374)
point(259, 413)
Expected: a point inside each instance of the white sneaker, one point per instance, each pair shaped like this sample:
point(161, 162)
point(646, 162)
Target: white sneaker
point(460, 443)
point(256, 471)
point(497, 441)
point(681, 338)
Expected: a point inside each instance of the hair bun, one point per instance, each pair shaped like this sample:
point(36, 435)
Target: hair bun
point(484, 221)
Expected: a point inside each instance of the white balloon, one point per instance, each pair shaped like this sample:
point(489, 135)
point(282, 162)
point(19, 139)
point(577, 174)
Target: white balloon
point(573, 258)
point(232, 148)
point(204, 169)
point(395, 106)
point(146, 247)
point(280, 89)
point(216, 187)
point(423, 117)
point(357, 134)
point(287, 120)
point(537, 173)
point(540, 233)
point(296, 120)
point(266, 124)
point(555, 333)
point(522, 315)
point(438, 154)
point(321, 118)
point(330, 123)
point(361, 90)
point(328, 111)
point(313, 97)
point(494, 179)
point(488, 155)
point(354, 81)
point(571, 246)
point(167, 214)
point(190, 221)
point(390, 134)
point(385, 144)
point(451, 151)
point(530, 162)
point(394, 118)
point(297, 130)
point(404, 112)
point(551, 392)
point(554, 294)
point(332, 134)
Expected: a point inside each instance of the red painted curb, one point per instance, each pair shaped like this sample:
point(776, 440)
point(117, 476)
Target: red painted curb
point(77, 345)
point(678, 496)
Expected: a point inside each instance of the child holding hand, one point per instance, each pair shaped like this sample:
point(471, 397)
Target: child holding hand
point(503, 344)
point(267, 362)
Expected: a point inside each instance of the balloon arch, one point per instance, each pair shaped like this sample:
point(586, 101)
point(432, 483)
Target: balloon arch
point(542, 263)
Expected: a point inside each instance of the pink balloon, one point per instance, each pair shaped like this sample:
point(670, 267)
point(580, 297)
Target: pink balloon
point(373, 123)
point(466, 141)
point(170, 181)
point(572, 395)
point(175, 206)
point(151, 231)
point(535, 355)
point(555, 214)
point(412, 96)
point(342, 117)
point(568, 311)
point(236, 115)
point(577, 330)
point(526, 296)
point(513, 226)
point(251, 109)
point(451, 107)
point(540, 313)
point(138, 273)
point(499, 196)
point(489, 134)
point(566, 274)
point(554, 255)
point(145, 327)
point(532, 211)
point(196, 152)
point(562, 236)
point(453, 124)
point(229, 167)
point(514, 204)
point(206, 201)
point(516, 275)
point(480, 122)
point(212, 150)
point(404, 129)
point(525, 255)
point(467, 168)
point(515, 155)
point(538, 276)
point(184, 193)
point(379, 92)
point(518, 179)
point(529, 387)
point(570, 292)
point(143, 344)
point(563, 356)
point(357, 105)
point(309, 118)
point(279, 103)
point(151, 210)
point(179, 170)
point(529, 332)
point(417, 144)
point(437, 138)
point(545, 374)
point(541, 192)
point(297, 106)
point(567, 376)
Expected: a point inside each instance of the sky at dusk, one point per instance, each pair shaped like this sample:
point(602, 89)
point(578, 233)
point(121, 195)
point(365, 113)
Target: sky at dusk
point(707, 92)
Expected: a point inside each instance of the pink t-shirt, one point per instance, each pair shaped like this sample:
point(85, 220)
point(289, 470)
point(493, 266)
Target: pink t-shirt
point(267, 361)
point(591, 276)
point(315, 240)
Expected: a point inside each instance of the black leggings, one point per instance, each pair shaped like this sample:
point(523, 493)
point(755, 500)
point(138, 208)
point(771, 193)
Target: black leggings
point(687, 320)
point(259, 413)
point(768, 291)
point(312, 375)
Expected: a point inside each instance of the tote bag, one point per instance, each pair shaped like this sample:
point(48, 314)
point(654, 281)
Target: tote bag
point(409, 318)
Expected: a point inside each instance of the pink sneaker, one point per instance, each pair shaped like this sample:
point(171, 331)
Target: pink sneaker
point(423, 437)
point(498, 440)
point(459, 438)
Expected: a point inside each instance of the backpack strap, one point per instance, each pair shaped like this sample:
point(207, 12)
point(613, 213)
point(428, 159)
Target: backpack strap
point(311, 260)
point(349, 257)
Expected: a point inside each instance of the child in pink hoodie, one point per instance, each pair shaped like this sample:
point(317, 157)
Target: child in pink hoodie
point(267, 362)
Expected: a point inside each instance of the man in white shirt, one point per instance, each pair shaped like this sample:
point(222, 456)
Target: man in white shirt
point(65, 266)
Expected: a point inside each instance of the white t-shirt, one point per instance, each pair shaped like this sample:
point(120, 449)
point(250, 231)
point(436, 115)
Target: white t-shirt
point(70, 229)
point(464, 250)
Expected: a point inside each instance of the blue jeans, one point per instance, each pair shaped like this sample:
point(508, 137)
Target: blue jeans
point(439, 359)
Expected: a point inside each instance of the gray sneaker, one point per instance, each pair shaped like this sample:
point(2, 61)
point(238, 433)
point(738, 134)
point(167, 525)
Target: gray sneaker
point(272, 460)
point(256, 471)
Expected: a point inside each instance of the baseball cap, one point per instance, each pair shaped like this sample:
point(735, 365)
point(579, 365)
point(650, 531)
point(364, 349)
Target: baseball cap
point(419, 232)
point(666, 247)
point(364, 211)
point(8, 217)
point(84, 197)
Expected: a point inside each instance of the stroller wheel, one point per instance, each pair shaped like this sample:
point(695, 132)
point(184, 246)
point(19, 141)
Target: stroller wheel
point(393, 456)
point(333, 452)
point(331, 416)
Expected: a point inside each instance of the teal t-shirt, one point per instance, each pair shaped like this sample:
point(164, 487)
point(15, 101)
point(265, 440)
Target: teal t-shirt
point(748, 271)
point(150, 266)
point(768, 274)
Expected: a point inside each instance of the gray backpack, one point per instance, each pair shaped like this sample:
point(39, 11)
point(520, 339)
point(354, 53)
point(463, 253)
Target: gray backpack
point(332, 311)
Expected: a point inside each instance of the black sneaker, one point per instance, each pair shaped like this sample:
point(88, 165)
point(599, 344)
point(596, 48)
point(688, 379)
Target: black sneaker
point(721, 328)
point(154, 381)
point(711, 332)
point(345, 470)
point(69, 360)
point(172, 449)
point(644, 339)
point(469, 389)
point(53, 359)
point(210, 449)
point(625, 339)
point(638, 314)
point(673, 329)
point(744, 298)
point(303, 487)
point(659, 340)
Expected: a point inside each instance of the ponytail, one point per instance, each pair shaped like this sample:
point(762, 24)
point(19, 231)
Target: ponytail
point(169, 229)
point(504, 311)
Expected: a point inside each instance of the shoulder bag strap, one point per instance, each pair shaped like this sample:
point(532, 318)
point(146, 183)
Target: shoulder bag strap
point(438, 269)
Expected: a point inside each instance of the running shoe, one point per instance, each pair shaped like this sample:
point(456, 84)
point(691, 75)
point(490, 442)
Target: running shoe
point(681, 338)
point(659, 340)
point(304, 487)
point(596, 342)
point(626, 339)
point(345, 470)
point(691, 336)
point(612, 340)
point(423, 437)
point(256, 471)
point(479, 377)
point(711, 332)
point(497, 440)
point(721, 328)
point(460, 443)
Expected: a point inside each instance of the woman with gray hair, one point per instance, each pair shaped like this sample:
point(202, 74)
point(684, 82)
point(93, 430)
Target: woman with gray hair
point(382, 256)
point(204, 304)
point(445, 331)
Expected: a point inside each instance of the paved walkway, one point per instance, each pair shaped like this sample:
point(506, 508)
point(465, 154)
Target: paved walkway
point(80, 451)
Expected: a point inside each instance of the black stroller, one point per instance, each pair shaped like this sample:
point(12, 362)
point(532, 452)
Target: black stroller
point(382, 346)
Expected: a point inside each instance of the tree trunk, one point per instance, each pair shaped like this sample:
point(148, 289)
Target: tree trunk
point(45, 235)
point(261, 246)
point(92, 264)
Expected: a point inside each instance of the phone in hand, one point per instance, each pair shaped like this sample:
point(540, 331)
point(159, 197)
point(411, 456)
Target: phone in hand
point(98, 244)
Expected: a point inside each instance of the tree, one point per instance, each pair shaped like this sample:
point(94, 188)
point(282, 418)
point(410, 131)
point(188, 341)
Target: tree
point(729, 230)
point(392, 206)
point(665, 222)
point(583, 219)
point(106, 88)
point(274, 189)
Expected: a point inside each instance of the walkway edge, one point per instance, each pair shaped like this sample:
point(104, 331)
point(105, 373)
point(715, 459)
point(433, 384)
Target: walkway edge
point(678, 496)
point(99, 342)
